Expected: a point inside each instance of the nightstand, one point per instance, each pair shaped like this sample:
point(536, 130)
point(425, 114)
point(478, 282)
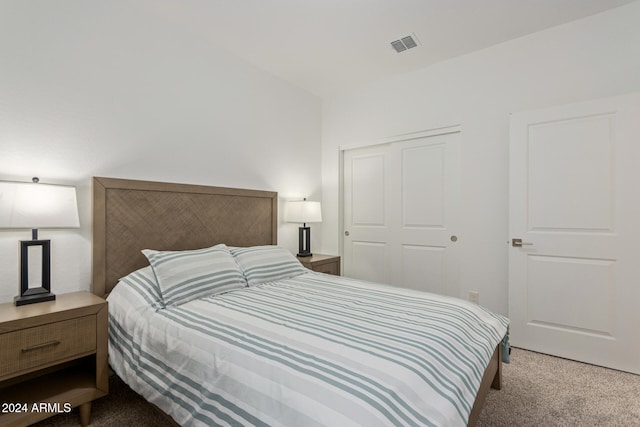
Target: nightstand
point(322, 263)
point(53, 357)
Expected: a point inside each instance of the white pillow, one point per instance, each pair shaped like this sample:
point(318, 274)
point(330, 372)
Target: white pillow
point(187, 275)
point(262, 264)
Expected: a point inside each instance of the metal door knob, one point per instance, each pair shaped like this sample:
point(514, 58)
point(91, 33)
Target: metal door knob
point(518, 243)
point(346, 233)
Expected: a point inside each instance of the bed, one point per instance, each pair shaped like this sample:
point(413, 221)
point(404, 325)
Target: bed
point(271, 343)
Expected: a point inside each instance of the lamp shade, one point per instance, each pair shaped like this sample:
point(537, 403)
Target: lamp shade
point(30, 205)
point(303, 211)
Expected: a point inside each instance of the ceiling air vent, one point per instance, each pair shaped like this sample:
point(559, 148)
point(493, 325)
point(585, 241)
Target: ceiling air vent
point(405, 43)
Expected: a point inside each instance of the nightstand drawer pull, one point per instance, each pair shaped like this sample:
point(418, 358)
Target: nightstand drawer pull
point(39, 346)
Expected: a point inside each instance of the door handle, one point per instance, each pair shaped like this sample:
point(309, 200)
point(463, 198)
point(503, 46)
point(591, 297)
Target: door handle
point(518, 243)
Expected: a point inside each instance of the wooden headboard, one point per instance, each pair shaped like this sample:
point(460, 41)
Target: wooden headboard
point(129, 216)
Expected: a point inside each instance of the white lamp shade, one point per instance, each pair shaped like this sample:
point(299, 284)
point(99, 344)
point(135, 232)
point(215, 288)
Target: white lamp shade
point(29, 205)
point(303, 211)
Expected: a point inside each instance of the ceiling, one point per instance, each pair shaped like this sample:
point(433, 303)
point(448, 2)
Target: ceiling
point(331, 46)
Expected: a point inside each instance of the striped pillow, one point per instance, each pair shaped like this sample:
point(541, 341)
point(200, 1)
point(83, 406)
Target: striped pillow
point(144, 285)
point(267, 263)
point(187, 275)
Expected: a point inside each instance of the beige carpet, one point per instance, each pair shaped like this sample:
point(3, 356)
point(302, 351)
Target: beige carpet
point(537, 390)
point(540, 390)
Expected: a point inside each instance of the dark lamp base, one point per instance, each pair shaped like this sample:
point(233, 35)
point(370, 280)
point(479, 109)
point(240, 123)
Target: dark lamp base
point(304, 241)
point(32, 299)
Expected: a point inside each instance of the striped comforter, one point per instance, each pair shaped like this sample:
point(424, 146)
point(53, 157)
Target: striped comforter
point(307, 351)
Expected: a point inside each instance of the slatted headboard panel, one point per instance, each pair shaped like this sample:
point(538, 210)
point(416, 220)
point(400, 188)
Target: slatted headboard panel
point(130, 215)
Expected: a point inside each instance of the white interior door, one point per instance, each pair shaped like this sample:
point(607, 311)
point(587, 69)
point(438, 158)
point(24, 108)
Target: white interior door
point(401, 213)
point(367, 214)
point(574, 284)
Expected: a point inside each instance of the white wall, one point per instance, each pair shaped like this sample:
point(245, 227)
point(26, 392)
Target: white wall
point(595, 57)
point(105, 88)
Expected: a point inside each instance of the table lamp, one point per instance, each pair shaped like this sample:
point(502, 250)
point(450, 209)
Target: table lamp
point(303, 211)
point(33, 206)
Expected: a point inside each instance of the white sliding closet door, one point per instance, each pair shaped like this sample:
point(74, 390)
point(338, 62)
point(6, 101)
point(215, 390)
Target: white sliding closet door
point(401, 212)
point(574, 281)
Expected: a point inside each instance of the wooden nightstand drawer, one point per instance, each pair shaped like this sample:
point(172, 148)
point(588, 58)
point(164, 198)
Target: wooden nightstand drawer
point(329, 264)
point(41, 345)
point(329, 268)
